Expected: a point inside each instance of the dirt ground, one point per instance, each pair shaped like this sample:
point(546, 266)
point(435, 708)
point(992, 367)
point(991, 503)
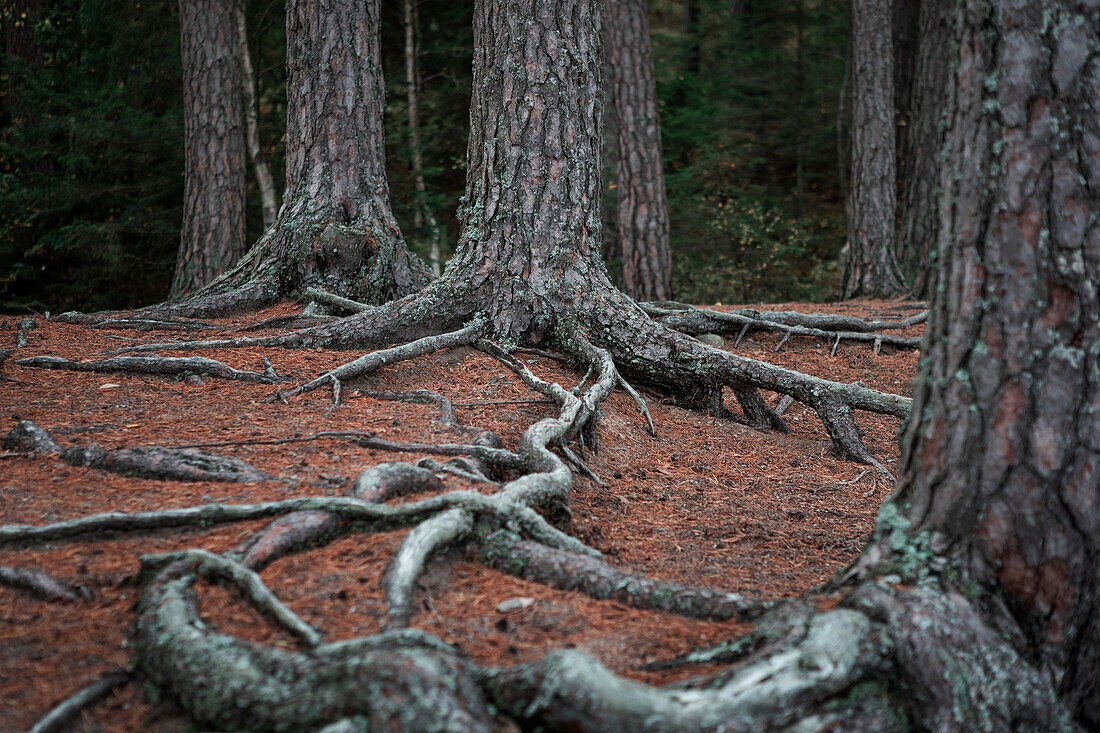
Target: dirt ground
point(707, 502)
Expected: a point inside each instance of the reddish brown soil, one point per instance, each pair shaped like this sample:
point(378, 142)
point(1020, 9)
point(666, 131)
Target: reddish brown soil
point(707, 502)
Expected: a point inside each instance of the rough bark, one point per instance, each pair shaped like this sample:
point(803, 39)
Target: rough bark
point(973, 608)
point(643, 223)
point(335, 230)
point(923, 149)
point(268, 196)
point(1002, 457)
point(212, 235)
point(872, 269)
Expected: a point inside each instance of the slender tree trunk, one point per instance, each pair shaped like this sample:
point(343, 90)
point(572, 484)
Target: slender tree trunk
point(799, 96)
point(212, 235)
point(643, 208)
point(691, 27)
point(923, 154)
point(412, 81)
point(905, 24)
point(268, 196)
point(872, 269)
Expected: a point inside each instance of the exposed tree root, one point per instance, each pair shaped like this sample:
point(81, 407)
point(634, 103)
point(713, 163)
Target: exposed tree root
point(37, 583)
point(594, 577)
point(25, 326)
point(61, 717)
point(369, 362)
point(30, 438)
point(135, 322)
point(167, 366)
point(822, 321)
point(245, 580)
point(396, 681)
point(165, 463)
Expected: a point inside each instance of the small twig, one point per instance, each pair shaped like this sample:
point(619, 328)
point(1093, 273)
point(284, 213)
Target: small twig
point(576, 461)
point(832, 352)
point(785, 339)
point(741, 335)
point(783, 404)
point(60, 717)
point(857, 478)
point(640, 402)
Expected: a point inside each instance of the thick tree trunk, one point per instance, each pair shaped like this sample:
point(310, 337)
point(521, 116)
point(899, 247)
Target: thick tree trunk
point(1002, 466)
point(335, 230)
point(871, 268)
point(212, 235)
point(643, 208)
point(923, 150)
point(974, 606)
point(268, 197)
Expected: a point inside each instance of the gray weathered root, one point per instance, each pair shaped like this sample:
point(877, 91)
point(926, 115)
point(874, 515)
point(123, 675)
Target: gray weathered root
point(61, 718)
point(800, 670)
point(37, 583)
point(167, 366)
point(165, 463)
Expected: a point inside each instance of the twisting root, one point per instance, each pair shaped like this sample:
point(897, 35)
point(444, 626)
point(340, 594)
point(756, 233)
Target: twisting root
point(407, 565)
point(216, 567)
point(376, 359)
point(61, 717)
point(166, 365)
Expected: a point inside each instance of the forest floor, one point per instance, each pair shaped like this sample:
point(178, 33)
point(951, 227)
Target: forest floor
point(707, 502)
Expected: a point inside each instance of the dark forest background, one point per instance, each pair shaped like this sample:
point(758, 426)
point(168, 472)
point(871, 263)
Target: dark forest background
point(751, 95)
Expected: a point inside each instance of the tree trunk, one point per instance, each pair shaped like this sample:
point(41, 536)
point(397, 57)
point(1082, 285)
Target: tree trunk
point(212, 235)
point(412, 81)
point(872, 269)
point(335, 230)
point(268, 196)
point(923, 153)
point(643, 208)
point(973, 608)
point(1002, 466)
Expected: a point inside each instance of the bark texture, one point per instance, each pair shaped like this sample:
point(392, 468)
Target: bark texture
point(335, 230)
point(643, 223)
point(872, 268)
point(974, 607)
point(922, 151)
point(212, 235)
point(1002, 470)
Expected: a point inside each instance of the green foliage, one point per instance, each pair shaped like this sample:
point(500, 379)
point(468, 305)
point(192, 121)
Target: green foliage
point(748, 112)
point(90, 190)
point(91, 164)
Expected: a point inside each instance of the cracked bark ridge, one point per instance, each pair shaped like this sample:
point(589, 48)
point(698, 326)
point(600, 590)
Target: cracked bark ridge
point(335, 229)
point(212, 236)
